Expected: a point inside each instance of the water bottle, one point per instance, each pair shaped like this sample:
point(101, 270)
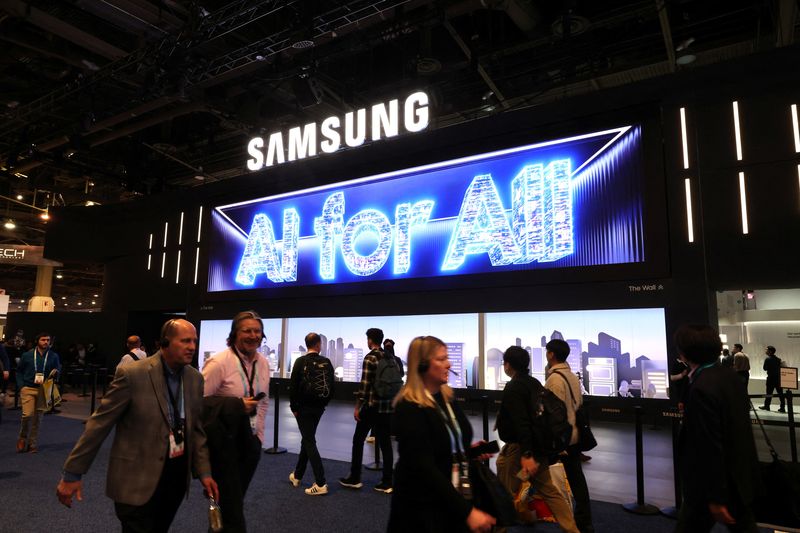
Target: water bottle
point(214, 515)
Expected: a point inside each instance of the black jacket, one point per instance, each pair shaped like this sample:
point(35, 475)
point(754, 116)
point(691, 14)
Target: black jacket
point(515, 421)
point(297, 399)
point(717, 450)
point(772, 366)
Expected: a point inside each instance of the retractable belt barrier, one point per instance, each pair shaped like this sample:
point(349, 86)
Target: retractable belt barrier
point(275, 385)
point(789, 422)
point(640, 506)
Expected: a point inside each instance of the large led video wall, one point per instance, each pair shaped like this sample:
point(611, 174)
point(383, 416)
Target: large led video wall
point(618, 352)
point(569, 202)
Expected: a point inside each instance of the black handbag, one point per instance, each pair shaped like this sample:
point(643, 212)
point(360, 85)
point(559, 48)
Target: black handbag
point(780, 505)
point(586, 440)
point(490, 496)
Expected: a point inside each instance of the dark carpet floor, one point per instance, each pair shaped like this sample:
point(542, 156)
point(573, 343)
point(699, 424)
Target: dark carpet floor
point(28, 502)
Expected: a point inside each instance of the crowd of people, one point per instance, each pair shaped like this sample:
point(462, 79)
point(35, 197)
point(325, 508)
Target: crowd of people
point(174, 422)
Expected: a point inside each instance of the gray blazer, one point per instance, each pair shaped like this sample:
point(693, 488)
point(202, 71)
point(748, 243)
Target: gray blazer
point(136, 404)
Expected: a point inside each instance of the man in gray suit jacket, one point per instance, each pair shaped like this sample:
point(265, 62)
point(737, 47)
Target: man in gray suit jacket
point(154, 450)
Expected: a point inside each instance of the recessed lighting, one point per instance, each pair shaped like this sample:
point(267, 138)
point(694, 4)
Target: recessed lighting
point(66, 304)
point(94, 295)
point(59, 276)
point(93, 302)
point(80, 303)
point(20, 197)
point(63, 297)
point(45, 216)
point(22, 301)
point(9, 224)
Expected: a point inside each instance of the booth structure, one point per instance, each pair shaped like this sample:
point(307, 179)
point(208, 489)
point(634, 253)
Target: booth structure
point(606, 220)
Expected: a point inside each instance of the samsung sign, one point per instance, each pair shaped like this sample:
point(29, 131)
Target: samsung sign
point(335, 132)
point(576, 201)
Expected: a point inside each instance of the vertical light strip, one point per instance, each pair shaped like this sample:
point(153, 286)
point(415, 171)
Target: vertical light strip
point(689, 219)
point(150, 253)
point(199, 223)
point(684, 140)
point(180, 231)
point(166, 227)
point(743, 199)
point(737, 131)
point(796, 129)
point(178, 268)
point(163, 262)
point(196, 263)
point(798, 178)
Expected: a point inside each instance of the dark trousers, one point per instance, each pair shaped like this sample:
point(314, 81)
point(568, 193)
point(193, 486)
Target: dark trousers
point(307, 422)
point(577, 482)
point(695, 517)
point(157, 514)
point(773, 386)
point(233, 470)
point(380, 423)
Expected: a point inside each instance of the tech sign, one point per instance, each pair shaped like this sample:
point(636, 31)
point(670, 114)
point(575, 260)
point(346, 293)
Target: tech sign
point(523, 208)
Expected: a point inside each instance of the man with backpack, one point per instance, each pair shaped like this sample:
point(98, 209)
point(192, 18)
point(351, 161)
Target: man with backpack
point(311, 390)
point(134, 353)
point(380, 383)
point(533, 424)
point(565, 385)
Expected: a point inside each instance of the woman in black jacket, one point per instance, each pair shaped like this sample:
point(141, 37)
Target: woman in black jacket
point(432, 435)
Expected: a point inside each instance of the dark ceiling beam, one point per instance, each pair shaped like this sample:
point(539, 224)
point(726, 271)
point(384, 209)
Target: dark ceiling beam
point(666, 31)
point(44, 50)
point(787, 18)
point(47, 22)
point(132, 22)
point(146, 123)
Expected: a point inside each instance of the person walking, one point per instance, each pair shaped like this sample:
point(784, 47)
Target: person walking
point(35, 366)
point(772, 366)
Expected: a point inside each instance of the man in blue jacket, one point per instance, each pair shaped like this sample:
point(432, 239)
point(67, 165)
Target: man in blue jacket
point(35, 366)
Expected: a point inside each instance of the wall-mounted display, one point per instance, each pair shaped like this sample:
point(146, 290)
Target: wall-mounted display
point(569, 202)
point(214, 334)
point(618, 352)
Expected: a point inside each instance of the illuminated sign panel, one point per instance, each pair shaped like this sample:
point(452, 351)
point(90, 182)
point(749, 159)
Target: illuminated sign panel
point(568, 202)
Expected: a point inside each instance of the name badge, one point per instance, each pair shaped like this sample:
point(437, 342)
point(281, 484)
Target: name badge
point(38, 378)
point(175, 449)
point(253, 420)
point(455, 476)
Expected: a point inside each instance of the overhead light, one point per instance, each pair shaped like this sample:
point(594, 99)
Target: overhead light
point(63, 297)
point(93, 302)
point(685, 59)
point(95, 295)
point(90, 203)
point(684, 44)
point(20, 197)
point(80, 303)
point(59, 276)
point(9, 224)
point(22, 301)
point(199, 177)
point(45, 216)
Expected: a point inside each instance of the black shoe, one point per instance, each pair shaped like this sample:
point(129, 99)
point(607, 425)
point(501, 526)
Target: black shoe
point(781, 410)
point(384, 487)
point(763, 408)
point(350, 483)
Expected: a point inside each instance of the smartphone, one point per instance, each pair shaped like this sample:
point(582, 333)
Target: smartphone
point(260, 396)
point(486, 447)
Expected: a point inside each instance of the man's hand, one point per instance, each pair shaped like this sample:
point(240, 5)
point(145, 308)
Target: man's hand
point(356, 414)
point(66, 489)
point(296, 413)
point(530, 465)
point(720, 513)
point(250, 405)
point(210, 487)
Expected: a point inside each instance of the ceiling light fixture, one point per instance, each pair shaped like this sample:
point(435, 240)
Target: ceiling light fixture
point(45, 216)
point(59, 276)
point(9, 224)
point(20, 197)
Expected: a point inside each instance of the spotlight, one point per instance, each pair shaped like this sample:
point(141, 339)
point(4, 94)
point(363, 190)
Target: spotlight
point(59, 276)
point(45, 216)
point(80, 303)
point(20, 197)
point(9, 224)
point(63, 297)
point(94, 295)
point(93, 302)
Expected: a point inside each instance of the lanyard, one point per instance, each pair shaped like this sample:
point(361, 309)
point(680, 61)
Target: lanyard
point(453, 430)
point(44, 366)
point(176, 415)
point(249, 377)
point(699, 369)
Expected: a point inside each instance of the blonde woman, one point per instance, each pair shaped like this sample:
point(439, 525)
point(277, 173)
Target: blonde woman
point(432, 435)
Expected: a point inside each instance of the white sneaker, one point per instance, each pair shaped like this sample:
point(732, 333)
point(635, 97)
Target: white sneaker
point(293, 480)
point(316, 490)
point(370, 439)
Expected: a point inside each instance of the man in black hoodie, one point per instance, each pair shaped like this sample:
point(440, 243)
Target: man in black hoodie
point(772, 366)
point(523, 451)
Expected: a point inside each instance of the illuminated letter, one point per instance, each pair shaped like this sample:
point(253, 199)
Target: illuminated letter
point(254, 149)
point(303, 143)
point(260, 253)
point(354, 134)
point(482, 227)
point(291, 234)
point(406, 217)
point(327, 227)
point(527, 212)
point(387, 121)
point(557, 210)
point(366, 221)
point(328, 131)
point(416, 119)
point(275, 149)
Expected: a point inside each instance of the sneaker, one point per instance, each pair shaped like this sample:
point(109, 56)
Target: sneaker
point(316, 490)
point(763, 408)
point(384, 487)
point(371, 439)
point(293, 480)
point(350, 483)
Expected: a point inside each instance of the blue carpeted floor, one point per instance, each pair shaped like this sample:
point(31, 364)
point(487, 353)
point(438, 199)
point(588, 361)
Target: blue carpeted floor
point(28, 501)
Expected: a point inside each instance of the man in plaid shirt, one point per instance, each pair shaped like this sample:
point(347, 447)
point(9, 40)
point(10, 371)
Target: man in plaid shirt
point(371, 412)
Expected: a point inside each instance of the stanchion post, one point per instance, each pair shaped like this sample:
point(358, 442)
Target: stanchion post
point(639, 506)
point(276, 416)
point(94, 390)
point(792, 436)
point(672, 511)
point(13, 377)
point(377, 465)
point(485, 400)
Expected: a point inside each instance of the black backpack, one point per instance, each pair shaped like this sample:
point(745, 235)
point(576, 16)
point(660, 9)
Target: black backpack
point(317, 378)
point(388, 378)
point(550, 421)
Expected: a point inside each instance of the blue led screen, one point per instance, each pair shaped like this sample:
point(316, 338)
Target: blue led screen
point(564, 203)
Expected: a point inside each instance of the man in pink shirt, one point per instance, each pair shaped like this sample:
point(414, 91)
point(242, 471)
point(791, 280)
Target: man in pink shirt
point(237, 372)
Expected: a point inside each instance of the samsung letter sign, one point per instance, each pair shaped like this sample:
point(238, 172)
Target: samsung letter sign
point(544, 205)
point(336, 132)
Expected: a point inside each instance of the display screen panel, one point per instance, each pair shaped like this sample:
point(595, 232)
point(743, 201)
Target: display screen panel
point(618, 352)
point(569, 202)
point(214, 334)
point(344, 341)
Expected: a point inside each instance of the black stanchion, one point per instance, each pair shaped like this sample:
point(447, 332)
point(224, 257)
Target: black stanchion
point(276, 416)
point(672, 510)
point(84, 393)
point(639, 506)
point(94, 391)
point(377, 465)
point(16, 391)
point(792, 436)
point(485, 415)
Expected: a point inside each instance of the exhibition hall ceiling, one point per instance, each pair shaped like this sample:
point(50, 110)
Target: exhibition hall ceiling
point(107, 101)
